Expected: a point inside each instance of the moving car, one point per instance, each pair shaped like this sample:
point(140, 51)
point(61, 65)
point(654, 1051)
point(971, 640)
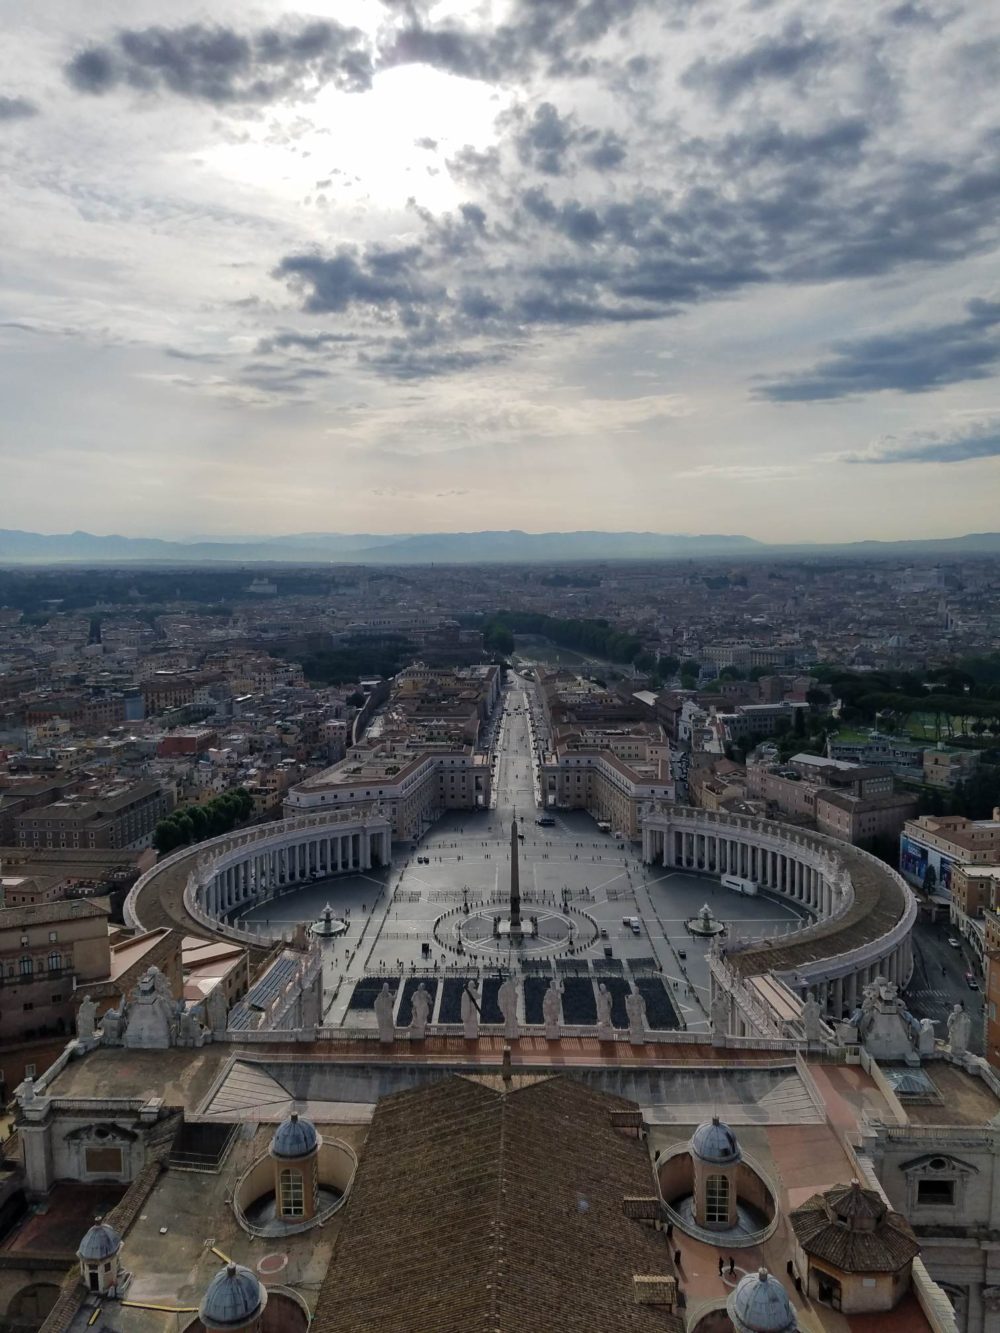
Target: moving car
point(955, 944)
point(970, 981)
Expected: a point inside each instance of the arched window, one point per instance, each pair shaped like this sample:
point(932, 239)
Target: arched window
point(55, 962)
point(27, 967)
point(717, 1199)
point(292, 1201)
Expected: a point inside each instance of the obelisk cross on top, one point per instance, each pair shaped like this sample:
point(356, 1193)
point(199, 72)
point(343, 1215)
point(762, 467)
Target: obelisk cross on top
point(515, 882)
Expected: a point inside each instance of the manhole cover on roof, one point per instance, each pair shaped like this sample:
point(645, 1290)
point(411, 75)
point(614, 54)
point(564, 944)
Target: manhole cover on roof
point(271, 1263)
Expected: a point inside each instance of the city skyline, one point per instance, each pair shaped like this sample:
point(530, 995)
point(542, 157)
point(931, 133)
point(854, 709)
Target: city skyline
point(542, 266)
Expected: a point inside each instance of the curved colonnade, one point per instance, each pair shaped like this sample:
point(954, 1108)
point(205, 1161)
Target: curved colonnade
point(224, 874)
point(864, 909)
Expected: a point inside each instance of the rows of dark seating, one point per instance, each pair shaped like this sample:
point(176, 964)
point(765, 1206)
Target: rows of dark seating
point(405, 1014)
point(534, 993)
point(579, 1002)
point(608, 967)
point(490, 1010)
point(451, 1000)
point(578, 967)
point(638, 965)
point(618, 988)
point(660, 1010)
point(363, 995)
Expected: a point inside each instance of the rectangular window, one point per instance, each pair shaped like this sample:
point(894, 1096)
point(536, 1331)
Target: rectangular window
point(936, 1192)
point(103, 1161)
point(292, 1198)
point(716, 1199)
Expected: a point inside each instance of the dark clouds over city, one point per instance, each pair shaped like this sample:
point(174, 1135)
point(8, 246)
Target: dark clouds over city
point(548, 264)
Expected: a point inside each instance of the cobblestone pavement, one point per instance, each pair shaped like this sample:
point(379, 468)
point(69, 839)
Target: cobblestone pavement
point(392, 914)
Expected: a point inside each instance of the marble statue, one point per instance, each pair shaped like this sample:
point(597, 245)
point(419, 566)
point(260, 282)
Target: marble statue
point(421, 1008)
point(190, 1031)
point(26, 1092)
point(812, 1017)
point(720, 1014)
point(635, 1007)
point(216, 1011)
point(507, 1000)
point(470, 1010)
point(152, 1021)
point(604, 1029)
point(86, 1017)
point(551, 1006)
point(385, 1002)
point(925, 1037)
point(112, 1024)
point(959, 1027)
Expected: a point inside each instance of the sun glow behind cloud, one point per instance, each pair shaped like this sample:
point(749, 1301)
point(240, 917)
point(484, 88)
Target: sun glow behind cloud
point(567, 262)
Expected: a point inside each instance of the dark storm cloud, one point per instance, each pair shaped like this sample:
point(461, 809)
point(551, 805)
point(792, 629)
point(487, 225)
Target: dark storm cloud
point(962, 445)
point(306, 342)
point(837, 144)
point(911, 361)
point(551, 33)
point(376, 279)
point(472, 166)
point(775, 59)
point(17, 108)
point(226, 67)
point(548, 142)
point(402, 360)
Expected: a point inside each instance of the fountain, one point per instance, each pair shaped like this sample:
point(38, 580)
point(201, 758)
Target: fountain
point(328, 927)
point(705, 923)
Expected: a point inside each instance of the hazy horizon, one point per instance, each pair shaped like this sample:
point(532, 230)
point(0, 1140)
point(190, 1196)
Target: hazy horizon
point(538, 265)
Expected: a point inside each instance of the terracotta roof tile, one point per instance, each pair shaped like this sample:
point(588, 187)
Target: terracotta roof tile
point(477, 1209)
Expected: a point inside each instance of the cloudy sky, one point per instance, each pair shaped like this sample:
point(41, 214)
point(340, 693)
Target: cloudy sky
point(677, 265)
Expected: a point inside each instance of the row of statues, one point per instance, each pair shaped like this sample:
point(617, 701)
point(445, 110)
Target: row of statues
point(471, 1008)
point(150, 1018)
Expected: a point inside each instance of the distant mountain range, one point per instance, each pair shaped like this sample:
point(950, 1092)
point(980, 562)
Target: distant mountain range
point(446, 548)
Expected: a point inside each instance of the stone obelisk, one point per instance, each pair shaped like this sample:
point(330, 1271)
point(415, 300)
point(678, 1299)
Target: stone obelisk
point(515, 884)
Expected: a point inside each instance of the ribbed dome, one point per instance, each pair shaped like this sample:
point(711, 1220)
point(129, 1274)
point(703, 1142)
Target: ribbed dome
point(100, 1242)
point(760, 1304)
point(295, 1137)
point(861, 1210)
point(715, 1142)
point(233, 1298)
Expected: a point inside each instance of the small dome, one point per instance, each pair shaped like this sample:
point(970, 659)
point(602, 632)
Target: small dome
point(233, 1298)
point(100, 1242)
point(295, 1137)
point(760, 1304)
point(715, 1142)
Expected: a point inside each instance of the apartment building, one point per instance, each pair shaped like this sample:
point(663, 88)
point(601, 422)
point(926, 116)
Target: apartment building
point(941, 842)
point(46, 951)
point(945, 767)
point(123, 815)
point(413, 784)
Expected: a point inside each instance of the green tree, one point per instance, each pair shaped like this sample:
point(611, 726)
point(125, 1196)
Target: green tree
point(166, 836)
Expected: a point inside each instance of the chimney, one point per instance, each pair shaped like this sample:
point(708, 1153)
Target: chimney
point(506, 1070)
point(654, 1289)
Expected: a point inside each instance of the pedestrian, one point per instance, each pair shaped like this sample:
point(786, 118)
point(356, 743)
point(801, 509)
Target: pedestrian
point(721, 1266)
point(732, 1266)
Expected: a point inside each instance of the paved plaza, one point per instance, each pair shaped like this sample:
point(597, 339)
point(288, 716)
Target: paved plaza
point(430, 914)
